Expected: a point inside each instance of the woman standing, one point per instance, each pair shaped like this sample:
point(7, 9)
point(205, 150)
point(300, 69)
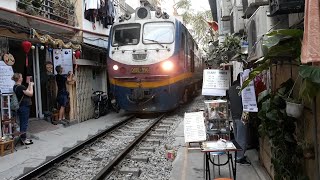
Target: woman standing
point(24, 98)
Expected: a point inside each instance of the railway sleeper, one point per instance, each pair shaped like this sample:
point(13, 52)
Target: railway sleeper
point(134, 171)
point(160, 130)
point(140, 158)
point(154, 141)
point(135, 127)
point(164, 126)
point(167, 122)
point(130, 132)
point(160, 136)
point(122, 137)
point(149, 149)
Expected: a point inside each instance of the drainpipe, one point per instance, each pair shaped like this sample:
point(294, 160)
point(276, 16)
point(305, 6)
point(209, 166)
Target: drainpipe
point(315, 137)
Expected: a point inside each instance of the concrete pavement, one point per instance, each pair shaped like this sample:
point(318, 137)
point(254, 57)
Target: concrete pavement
point(189, 164)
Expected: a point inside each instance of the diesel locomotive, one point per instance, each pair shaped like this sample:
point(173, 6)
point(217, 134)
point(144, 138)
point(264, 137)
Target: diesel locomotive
point(154, 64)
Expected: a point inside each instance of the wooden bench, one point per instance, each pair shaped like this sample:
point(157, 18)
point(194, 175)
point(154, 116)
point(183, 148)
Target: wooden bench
point(6, 146)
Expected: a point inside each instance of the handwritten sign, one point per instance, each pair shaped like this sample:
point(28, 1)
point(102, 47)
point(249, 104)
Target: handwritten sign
point(63, 57)
point(216, 79)
point(194, 128)
point(248, 94)
point(6, 84)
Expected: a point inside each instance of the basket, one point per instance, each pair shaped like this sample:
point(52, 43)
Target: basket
point(293, 109)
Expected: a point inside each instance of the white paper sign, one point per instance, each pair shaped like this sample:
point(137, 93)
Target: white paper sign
point(216, 79)
point(6, 72)
point(63, 57)
point(214, 92)
point(249, 101)
point(194, 128)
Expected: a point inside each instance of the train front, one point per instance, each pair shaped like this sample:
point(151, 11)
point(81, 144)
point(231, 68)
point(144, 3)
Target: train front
point(143, 66)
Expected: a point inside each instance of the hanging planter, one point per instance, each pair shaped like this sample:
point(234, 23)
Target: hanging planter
point(294, 109)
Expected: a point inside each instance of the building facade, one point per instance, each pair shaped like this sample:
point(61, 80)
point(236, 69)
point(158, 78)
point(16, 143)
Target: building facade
point(70, 31)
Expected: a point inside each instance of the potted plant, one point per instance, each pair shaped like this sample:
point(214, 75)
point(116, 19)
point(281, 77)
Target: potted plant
point(294, 108)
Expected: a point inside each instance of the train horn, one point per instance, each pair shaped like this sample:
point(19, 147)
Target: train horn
point(127, 16)
point(158, 13)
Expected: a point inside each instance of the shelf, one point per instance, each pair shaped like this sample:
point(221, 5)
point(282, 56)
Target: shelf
point(5, 108)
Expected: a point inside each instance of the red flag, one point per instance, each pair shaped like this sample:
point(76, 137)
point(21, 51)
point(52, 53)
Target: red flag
point(213, 25)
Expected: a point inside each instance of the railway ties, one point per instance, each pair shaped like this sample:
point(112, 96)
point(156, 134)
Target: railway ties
point(145, 156)
point(125, 149)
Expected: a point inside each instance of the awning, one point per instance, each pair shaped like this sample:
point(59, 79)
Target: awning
point(311, 37)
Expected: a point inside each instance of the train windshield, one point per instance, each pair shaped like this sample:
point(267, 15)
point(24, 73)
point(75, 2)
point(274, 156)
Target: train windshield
point(158, 32)
point(128, 34)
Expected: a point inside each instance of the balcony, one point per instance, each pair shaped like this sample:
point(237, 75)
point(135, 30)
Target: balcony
point(59, 10)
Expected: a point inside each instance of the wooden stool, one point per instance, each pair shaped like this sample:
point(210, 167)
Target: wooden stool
point(5, 146)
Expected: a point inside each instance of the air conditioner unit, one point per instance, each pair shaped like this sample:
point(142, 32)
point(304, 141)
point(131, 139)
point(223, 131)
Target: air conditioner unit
point(258, 25)
point(257, 2)
point(225, 10)
point(237, 22)
point(286, 6)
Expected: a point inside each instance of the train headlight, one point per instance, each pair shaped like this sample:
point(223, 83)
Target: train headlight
point(115, 67)
point(167, 65)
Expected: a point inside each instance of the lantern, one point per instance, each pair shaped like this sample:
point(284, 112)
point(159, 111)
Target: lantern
point(26, 46)
point(77, 54)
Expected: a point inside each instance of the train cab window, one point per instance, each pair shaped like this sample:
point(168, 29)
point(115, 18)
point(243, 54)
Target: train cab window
point(128, 34)
point(158, 32)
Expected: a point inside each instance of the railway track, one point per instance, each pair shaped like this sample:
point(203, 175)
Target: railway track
point(97, 157)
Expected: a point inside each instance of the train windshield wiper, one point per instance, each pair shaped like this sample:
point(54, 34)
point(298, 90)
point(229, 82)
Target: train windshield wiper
point(155, 42)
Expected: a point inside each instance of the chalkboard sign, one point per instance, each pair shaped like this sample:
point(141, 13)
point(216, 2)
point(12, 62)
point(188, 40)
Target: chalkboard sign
point(194, 128)
point(6, 72)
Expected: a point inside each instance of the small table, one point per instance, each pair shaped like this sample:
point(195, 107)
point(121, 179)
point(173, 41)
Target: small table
point(6, 145)
point(217, 146)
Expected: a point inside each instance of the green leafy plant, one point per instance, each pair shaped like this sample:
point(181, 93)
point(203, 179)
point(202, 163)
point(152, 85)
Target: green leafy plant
point(311, 83)
point(225, 51)
point(284, 44)
point(280, 129)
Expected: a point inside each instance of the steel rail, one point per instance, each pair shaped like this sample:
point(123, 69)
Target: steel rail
point(46, 166)
point(109, 168)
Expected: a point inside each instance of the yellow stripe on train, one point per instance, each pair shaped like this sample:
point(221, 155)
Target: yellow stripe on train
point(154, 84)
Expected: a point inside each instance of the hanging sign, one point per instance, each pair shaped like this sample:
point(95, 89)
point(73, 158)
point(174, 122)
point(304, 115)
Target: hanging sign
point(249, 101)
point(63, 57)
point(194, 128)
point(216, 79)
point(6, 84)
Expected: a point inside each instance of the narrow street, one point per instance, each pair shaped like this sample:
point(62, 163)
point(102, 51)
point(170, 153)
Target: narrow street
point(160, 89)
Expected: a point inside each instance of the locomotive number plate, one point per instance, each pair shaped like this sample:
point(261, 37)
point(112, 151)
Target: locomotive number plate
point(140, 70)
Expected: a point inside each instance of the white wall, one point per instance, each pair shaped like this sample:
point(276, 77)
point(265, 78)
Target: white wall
point(9, 4)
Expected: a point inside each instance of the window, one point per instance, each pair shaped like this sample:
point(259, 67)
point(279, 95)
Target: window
point(128, 34)
point(158, 32)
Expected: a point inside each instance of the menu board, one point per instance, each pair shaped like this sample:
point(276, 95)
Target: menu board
point(249, 101)
point(63, 57)
point(216, 79)
point(6, 72)
point(194, 128)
